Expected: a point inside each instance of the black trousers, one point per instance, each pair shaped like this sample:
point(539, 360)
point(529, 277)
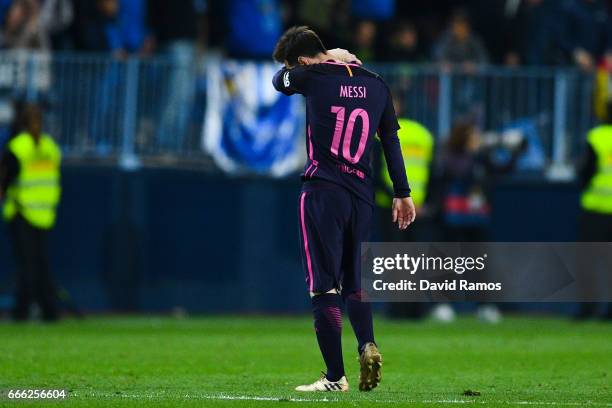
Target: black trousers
point(34, 283)
point(595, 227)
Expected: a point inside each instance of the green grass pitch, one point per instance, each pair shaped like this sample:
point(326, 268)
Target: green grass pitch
point(256, 361)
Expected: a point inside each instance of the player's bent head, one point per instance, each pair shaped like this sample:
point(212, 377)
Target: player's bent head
point(296, 45)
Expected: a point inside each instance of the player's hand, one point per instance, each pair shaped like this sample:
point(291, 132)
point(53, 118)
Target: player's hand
point(342, 55)
point(403, 212)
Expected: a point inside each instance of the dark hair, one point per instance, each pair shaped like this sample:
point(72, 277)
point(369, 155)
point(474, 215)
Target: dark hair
point(459, 137)
point(298, 41)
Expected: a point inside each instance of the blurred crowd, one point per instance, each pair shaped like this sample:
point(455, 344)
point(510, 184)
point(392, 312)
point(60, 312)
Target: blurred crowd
point(464, 32)
point(120, 27)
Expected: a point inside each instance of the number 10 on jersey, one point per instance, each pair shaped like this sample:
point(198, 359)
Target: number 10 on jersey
point(348, 133)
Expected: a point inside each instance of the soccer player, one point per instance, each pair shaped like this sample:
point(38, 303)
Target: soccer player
point(346, 105)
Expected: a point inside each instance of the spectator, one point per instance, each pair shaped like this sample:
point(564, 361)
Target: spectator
point(404, 45)
point(135, 37)
point(467, 169)
point(98, 27)
point(501, 25)
point(537, 32)
point(587, 33)
point(364, 42)
point(57, 16)
point(254, 26)
point(23, 27)
point(176, 27)
point(459, 46)
point(177, 24)
point(324, 17)
point(30, 24)
point(115, 26)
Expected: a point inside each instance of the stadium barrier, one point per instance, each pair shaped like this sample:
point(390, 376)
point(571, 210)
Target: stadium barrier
point(156, 239)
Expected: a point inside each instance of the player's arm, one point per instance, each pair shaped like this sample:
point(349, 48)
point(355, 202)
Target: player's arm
point(403, 211)
point(291, 80)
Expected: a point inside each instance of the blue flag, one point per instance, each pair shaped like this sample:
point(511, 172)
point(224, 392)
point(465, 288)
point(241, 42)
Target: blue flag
point(249, 127)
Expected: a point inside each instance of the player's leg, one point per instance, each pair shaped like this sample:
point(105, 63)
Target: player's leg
point(370, 359)
point(321, 228)
point(359, 311)
point(360, 316)
point(327, 313)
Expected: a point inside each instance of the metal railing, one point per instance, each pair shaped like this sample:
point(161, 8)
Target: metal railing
point(558, 102)
point(101, 107)
point(138, 108)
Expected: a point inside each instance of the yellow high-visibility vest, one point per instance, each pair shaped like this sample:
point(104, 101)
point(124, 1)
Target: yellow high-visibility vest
point(417, 145)
point(598, 195)
point(36, 191)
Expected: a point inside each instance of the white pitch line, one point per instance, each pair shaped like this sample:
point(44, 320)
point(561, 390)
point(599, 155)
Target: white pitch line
point(328, 400)
point(455, 401)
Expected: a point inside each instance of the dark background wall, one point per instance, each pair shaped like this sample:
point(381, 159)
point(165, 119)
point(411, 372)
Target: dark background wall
point(152, 240)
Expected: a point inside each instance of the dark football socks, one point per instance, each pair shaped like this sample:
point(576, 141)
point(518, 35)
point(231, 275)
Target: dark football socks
point(360, 315)
point(328, 326)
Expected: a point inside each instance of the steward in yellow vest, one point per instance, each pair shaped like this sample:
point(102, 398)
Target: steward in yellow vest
point(35, 192)
point(596, 201)
point(597, 197)
point(417, 145)
point(30, 187)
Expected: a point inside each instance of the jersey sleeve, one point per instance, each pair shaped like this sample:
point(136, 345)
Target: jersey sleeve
point(387, 131)
point(292, 80)
point(388, 121)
